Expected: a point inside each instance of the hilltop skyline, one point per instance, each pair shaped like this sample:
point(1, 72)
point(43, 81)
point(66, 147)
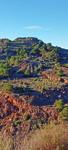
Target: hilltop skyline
point(45, 20)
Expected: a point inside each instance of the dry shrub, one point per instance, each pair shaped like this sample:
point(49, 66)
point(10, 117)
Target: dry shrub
point(52, 137)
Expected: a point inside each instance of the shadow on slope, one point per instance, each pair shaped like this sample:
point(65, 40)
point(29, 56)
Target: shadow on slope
point(48, 97)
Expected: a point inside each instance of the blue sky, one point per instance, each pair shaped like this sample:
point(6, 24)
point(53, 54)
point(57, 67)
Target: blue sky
point(45, 19)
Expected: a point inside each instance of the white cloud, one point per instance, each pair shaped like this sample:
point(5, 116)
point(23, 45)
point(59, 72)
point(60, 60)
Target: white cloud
point(33, 27)
point(38, 27)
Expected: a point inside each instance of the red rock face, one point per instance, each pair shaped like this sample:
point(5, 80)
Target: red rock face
point(12, 111)
point(52, 76)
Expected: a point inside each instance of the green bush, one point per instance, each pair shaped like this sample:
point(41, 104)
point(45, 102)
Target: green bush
point(66, 65)
point(16, 62)
point(12, 59)
point(60, 104)
point(39, 121)
point(54, 68)
point(7, 87)
point(16, 121)
point(52, 53)
point(27, 73)
point(5, 70)
point(42, 89)
point(59, 72)
point(64, 113)
point(35, 51)
point(58, 64)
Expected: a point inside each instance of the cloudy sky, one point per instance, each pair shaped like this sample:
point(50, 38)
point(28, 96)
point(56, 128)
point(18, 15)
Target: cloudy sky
point(45, 19)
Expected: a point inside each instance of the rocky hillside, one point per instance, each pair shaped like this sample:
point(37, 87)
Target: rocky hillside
point(17, 115)
point(33, 78)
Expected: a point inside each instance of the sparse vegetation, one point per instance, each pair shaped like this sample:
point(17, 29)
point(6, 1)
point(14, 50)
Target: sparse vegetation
point(33, 95)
